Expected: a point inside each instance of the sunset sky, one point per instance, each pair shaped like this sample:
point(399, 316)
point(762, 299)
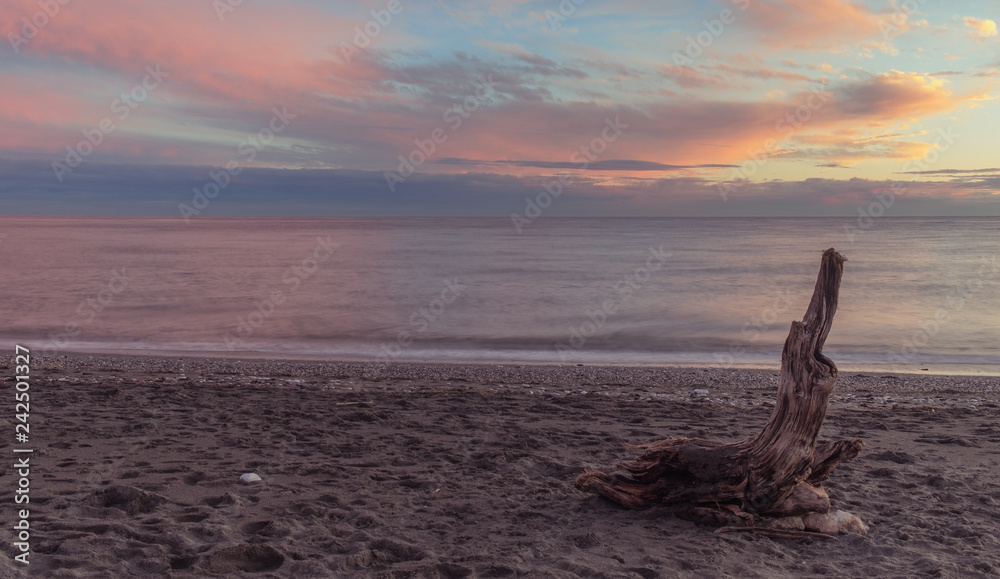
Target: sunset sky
point(733, 107)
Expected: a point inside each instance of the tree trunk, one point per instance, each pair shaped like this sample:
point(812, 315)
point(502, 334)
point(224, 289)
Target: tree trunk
point(777, 473)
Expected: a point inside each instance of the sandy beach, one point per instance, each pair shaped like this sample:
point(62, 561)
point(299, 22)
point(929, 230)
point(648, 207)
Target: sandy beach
point(422, 470)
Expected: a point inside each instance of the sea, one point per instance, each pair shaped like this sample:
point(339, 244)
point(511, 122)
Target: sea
point(918, 294)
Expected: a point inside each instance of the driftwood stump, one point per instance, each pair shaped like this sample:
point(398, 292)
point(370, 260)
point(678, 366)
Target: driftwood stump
point(771, 482)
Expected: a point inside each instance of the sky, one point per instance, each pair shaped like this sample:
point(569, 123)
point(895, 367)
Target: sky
point(508, 108)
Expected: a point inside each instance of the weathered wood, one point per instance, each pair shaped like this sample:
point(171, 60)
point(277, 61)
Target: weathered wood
point(778, 472)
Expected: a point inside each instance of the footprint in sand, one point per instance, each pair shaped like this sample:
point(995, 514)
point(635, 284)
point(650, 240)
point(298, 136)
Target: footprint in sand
point(246, 558)
point(129, 499)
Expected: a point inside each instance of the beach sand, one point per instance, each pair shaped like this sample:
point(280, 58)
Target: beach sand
point(420, 470)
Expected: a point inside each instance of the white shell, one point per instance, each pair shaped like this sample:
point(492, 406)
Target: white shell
point(250, 477)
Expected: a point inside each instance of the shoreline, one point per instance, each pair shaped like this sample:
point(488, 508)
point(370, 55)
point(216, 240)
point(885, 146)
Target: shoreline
point(733, 386)
point(923, 369)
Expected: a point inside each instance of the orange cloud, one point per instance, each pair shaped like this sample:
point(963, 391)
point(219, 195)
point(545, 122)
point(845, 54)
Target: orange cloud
point(980, 28)
point(816, 24)
point(895, 95)
point(836, 133)
point(847, 152)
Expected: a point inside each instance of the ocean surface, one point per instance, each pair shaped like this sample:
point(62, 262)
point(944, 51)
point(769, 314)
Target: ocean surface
point(917, 292)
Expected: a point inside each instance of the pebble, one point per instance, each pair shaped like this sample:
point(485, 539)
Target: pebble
point(250, 478)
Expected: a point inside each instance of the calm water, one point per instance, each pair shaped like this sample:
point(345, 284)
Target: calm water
point(916, 292)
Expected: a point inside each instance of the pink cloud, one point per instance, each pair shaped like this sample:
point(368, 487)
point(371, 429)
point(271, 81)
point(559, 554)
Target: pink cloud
point(815, 24)
point(258, 53)
point(226, 76)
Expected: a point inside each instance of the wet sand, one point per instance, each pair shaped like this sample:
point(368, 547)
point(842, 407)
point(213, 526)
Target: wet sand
point(421, 470)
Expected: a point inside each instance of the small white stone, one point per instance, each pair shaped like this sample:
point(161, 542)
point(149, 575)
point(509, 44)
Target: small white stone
point(250, 477)
point(700, 392)
point(833, 523)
